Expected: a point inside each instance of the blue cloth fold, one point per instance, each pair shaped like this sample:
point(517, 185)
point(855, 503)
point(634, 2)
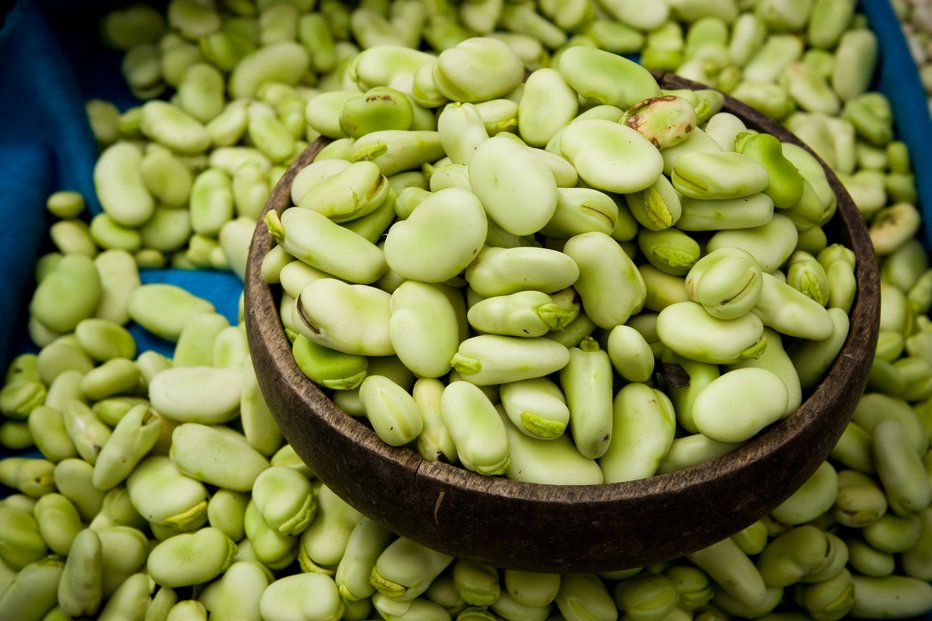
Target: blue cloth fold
point(898, 78)
point(50, 67)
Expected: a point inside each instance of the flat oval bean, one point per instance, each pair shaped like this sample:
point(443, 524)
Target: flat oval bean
point(321, 243)
point(899, 468)
point(211, 202)
point(594, 74)
point(285, 62)
point(610, 286)
point(495, 359)
point(552, 461)
point(689, 331)
point(312, 596)
point(73, 478)
point(860, 500)
point(80, 590)
point(132, 438)
point(893, 534)
point(476, 428)
point(630, 353)
point(87, 432)
point(890, 596)
point(523, 313)
point(32, 593)
point(693, 449)
point(237, 592)
point(165, 309)
point(391, 409)
point(714, 215)
point(703, 175)
point(730, 408)
point(164, 495)
point(354, 319)
point(547, 104)
point(405, 569)
point(776, 360)
point(610, 156)
point(21, 542)
point(174, 128)
point(523, 208)
point(585, 596)
point(536, 407)
point(74, 279)
point(586, 381)
point(791, 312)
point(477, 69)
point(328, 367)
point(128, 601)
point(423, 328)
point(189, 559)
point(771, 244)
point(366, 542)
point(726, 281)
point(643, 424)
point(267, 546)
point(58, 521)
point(212, 466)
point(655, 208)
point(420, 247)
point(501, 271)
point(581, 210)
point(120, 186)
point(174, 394)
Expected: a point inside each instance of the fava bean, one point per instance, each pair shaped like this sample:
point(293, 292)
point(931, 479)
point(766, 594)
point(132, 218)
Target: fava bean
point(33, 592)
point(899, 468)
point(80, 590)
point(120, 185)
point(417, 248)
point(501, 271)
point(321, 243)
point(551, 461)
point(717, 341)
point(21, 542)
point(189, 559)
point(475, 427)
point(162, 494)
point(890, 596)
point(213, 467)
point(585, 596)
point(610, 156)
point(73, 479)
point(172, 393)
point(643, 425)
point(610, 286)
point(354, 319)
point(132, 438)
point(495, 359)
point(74, 279)
point(165, 309)
point(58, 522)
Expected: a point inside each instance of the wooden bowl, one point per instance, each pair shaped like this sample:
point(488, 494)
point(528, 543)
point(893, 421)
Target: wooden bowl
point(559, 528)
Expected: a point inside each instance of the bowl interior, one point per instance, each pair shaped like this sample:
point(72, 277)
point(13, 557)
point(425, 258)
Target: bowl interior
point(557, 528)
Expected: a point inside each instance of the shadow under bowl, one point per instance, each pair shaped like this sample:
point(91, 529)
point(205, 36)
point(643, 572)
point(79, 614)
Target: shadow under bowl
point(562, 528)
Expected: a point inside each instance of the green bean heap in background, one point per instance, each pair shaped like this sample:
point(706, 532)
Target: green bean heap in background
point(160, 496)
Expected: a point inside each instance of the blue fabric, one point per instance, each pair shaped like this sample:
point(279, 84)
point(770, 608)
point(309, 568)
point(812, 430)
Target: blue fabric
point(898, 78)
point(47, 72)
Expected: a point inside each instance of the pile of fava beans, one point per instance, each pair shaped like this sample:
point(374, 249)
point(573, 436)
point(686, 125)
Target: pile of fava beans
point(143, 486)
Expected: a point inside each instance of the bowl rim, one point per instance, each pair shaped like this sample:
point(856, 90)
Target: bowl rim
point(841, 386)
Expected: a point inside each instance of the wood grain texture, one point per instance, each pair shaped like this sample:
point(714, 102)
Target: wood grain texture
point(563, 528)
